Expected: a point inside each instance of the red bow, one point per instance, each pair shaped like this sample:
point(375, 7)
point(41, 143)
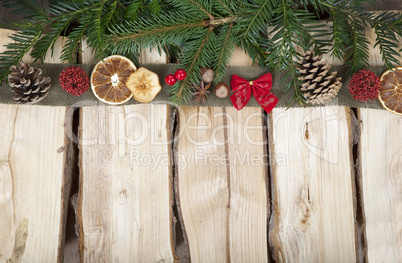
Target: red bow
point(261, 89)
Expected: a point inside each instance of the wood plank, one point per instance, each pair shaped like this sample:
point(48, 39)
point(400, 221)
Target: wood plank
point(152, 56)
point(381, 168)
point(86, 55)
point(54, 56)
point(221, 184)
point(375, 57)
point(32, 183)
point(34, 178)
point(125, 194)
point(240, 58)
point(313, 212)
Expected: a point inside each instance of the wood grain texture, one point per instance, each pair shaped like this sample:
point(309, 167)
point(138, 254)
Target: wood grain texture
point(86, 55)
point(152, 56)
point(222, 186)
point(313, 212)
point(125, 177)
point(221, 181)
point(35, 178)
point(240, 58)
point(126, 194)
point(379, 172)
point(381, 169)
point(31, 183)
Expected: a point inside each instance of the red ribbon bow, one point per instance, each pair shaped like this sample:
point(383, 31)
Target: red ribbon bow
point(261, 89)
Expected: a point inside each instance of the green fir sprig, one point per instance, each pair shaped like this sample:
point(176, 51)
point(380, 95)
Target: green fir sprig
point(203, 33)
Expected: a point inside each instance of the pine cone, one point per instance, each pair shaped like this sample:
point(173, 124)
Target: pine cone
point(28, 83)
point(318, 87)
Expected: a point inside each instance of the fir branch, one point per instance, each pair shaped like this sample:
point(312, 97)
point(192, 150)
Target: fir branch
point(27, 7)
point(48, 40)
point(226, 43)
point(133, 9)
point(72, 44)
point(199, 53)
point(387, 43)
point(386, 26)
point(202, 9)
point(282, 47)
point(311, 33)
point(203, 32)
point(357, 53)
point(154, 31)
point(24, 41)
point(154, 6)
point(95, 30)
point(340, 34)
point(259, 16)
point(191, 7)
point(252, 26)
point(227, 7)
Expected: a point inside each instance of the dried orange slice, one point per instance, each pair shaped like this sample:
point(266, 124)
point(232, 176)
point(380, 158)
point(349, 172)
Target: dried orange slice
point(108, 79)
point(144, 84)
point(391, 90)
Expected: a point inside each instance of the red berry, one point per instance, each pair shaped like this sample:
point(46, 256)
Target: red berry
point(170, 79)
point(180, 74)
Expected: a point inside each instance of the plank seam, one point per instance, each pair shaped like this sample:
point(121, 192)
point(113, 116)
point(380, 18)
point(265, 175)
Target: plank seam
point(81, 239)
point(268, 177)
point(186, 256)
point(11, 170)
point(225, 134)
point(361, 238)
point(68, 162)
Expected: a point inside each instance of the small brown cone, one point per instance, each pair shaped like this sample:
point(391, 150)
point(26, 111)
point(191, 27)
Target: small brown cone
point(318, 86)
point(28, 83)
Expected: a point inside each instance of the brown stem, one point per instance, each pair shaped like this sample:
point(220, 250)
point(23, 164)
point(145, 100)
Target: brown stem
point(224, 20)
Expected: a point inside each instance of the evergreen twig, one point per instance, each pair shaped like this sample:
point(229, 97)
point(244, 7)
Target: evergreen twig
point(203, 33)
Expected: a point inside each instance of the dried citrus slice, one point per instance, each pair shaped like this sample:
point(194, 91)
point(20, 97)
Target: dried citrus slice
point(391, 90)
point(144, 84)
point(108, 79)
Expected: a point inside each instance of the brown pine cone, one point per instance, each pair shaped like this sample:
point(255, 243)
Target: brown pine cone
point(318, 87)
point(28, 83)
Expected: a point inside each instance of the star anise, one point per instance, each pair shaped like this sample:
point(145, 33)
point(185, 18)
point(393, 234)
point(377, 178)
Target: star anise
point(201, 93)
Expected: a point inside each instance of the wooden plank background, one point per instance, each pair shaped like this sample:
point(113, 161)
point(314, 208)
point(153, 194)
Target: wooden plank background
point(35, 177)
point(381, 169)
point(124, 204)
point(313, 211)
point(195, 184)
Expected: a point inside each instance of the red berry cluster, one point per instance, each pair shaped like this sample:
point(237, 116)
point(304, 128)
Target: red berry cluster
point(74, 80)
point(179, 75)
point(364, 86)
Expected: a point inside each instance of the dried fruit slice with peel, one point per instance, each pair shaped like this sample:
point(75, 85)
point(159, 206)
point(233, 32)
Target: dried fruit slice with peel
point(391, 90)
point(109, 77)
point(144, 85)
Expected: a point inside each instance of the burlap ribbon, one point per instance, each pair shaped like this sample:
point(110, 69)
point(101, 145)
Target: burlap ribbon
point(58, 97)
